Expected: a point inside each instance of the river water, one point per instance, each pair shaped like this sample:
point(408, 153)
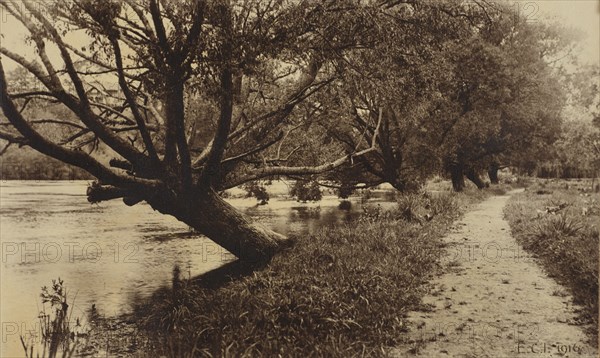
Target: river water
point(109, 254)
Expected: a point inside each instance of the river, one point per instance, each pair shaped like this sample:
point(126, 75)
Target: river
point(109, 254)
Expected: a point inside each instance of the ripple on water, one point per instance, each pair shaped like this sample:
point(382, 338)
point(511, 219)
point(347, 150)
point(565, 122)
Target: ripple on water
point(149, 244)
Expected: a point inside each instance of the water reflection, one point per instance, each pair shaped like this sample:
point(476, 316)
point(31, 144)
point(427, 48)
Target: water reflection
point(109, 254)
point(289, 217)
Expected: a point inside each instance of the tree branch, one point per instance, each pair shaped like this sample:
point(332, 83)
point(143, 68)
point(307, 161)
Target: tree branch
point(133, 104)
point(81, 108)
point(226, 105)
point(33, 67)
point(11, 138)
point(295, 96)
point(195, 30)
point(51, 121)
point(307, 170)
point(95, 61)
point(33, 94)
point(3, 151)
point(223, 126)
point(254, 151)
point(77, 158)
point(97, 193)
point(159, 27)
point(147, 29)
point(39, 42)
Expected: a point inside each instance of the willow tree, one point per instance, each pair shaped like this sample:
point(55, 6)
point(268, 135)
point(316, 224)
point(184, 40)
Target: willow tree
point(504, 101)
point(401, 80)
point(205, 89)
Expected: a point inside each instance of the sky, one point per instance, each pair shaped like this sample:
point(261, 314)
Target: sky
point(580, 14)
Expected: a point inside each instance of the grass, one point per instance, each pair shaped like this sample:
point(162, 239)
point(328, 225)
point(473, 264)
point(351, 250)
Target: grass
point(62, 335)
point(558, 222)
point(342, 292)
point(56, 333)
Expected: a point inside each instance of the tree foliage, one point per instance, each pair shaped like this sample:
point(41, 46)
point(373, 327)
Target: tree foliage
point(171, 102)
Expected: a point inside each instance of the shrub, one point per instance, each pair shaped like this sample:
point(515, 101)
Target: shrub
point(317, 299)
point(410, 206)
point(443, 203)
point(345, 205)
point(254, 189)
point(344, 191)
point(306, 191)
point(560, 225)
point(419, 206)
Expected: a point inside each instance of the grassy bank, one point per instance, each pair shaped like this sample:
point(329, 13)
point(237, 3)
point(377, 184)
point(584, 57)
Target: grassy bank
point(342, 292)
point(558, 222)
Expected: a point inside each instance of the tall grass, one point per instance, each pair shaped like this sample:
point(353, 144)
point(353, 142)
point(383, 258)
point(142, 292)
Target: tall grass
point(55, 325)
point(565, 242)
point(342, 292)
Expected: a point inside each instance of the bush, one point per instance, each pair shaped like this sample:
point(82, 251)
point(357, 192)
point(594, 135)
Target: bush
point(410, 207)
point(254, 189)
point(344, 191)
point(315, 300)
point(558, 226)
point(306, 191)
point(419, 206)
point(345, 205)
point(443, 203)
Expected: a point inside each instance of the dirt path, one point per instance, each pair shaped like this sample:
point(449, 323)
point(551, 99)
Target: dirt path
point(493, 300)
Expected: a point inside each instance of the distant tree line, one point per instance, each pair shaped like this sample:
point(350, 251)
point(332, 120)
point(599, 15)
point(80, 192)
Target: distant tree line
point(30, 165)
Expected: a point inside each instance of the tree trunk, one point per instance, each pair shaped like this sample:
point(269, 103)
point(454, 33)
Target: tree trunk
point(493, 173)
point(210, 215)
point(456, 174)
point(473, 176)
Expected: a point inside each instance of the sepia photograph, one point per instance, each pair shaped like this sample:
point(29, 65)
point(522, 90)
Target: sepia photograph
point(299, 178)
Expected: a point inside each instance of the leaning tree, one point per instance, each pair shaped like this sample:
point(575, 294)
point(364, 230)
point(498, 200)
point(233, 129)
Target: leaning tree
point(188, 98)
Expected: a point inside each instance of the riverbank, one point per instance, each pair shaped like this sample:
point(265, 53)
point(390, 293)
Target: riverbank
point(343, 291)
point(557, 221)
point(493, 299)
point(109, 254)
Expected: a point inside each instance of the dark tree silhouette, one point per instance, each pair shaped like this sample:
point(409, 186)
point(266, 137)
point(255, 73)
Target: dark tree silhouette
point(205, 89)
